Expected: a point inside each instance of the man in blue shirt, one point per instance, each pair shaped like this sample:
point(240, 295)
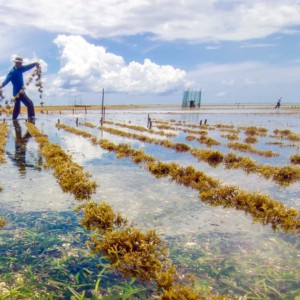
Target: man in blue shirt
point(15, 76)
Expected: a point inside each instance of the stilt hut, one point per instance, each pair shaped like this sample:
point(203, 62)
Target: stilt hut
point(191, 98)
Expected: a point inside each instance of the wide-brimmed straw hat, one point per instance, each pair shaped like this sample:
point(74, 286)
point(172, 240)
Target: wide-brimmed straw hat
point(18, 59)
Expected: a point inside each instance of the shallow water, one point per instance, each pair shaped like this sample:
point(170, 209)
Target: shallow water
point(221, 247)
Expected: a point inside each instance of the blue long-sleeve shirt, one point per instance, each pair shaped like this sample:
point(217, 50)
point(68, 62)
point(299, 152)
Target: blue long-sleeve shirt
point(15, 76)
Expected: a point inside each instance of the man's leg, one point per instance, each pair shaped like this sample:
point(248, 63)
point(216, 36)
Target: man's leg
point(29, 104)
point(17, 109)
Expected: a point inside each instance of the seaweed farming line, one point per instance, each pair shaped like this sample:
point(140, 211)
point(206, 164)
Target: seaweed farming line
point(261, 207)
point(208, 141)
point(251, 132)
point(283, 176)
point(130, 251)
point(69, 174)
point(248, 130)
point(141, 128)
point(3, 139)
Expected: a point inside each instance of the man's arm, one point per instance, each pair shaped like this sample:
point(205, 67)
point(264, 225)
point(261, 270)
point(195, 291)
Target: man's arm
point(28, 67)
point(6, 80)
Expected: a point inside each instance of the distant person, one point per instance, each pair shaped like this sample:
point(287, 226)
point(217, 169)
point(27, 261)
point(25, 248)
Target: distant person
point(15, 76)
point(192, 103)
point(278, 103)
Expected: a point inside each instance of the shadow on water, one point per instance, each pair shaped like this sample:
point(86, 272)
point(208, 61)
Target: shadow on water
point(19, 156)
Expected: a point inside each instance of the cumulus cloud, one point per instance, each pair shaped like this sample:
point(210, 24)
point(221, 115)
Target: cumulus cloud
point(87, 67)
point(194, 20)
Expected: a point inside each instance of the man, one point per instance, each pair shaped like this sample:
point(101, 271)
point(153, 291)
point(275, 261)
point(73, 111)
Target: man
point(278, 103)
point(15, 76)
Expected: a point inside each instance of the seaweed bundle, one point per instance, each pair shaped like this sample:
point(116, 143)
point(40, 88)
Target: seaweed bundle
point(295, 159)
point(248, 148)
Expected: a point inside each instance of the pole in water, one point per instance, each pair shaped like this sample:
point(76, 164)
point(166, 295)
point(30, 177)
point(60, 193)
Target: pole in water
point(205, 121)
point(102, 106)
point(200, 122)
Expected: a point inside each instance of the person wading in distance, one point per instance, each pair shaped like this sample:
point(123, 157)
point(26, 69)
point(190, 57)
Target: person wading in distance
point(278, 103)
point(15, 76)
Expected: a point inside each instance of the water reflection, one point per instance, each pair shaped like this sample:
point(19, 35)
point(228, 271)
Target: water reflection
point(19, 157)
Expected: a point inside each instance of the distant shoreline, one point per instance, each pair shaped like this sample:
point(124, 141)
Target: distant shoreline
point(156, 106)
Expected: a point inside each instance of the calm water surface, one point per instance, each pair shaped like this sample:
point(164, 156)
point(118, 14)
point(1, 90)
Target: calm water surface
point(223, 248)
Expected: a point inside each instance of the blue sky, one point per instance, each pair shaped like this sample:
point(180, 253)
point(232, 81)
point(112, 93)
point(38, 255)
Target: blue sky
point(149, 52)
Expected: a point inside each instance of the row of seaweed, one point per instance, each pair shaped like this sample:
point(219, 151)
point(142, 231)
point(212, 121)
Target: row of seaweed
point(141, 128)
point(69, 174)
point(251, 133)
point(209, 142)
point(243, 147)
point(285, 134)
point(284, 175)
point(261, 207)
point(3, 139)
point(128, 250)
point(205, 139)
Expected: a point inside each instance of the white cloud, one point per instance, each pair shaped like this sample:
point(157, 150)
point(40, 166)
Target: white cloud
point(167, 20)
point(261, 45)
point(213, 47)
point(86, 67)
